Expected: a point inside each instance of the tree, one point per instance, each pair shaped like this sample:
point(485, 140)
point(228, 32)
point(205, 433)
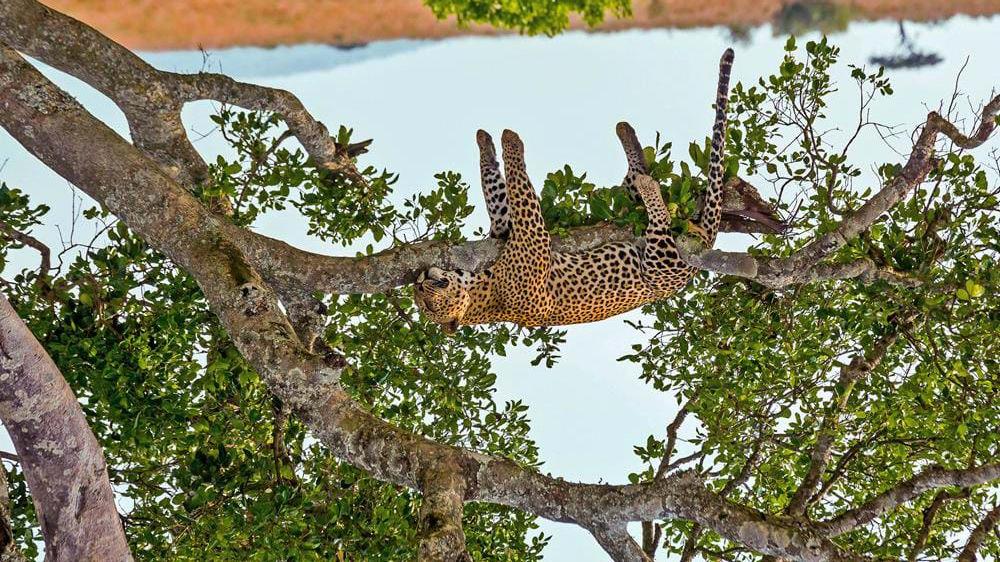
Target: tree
point(843, 374)
point(529, 16)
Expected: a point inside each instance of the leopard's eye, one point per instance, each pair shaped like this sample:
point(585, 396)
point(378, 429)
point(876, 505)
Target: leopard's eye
point(440, 283)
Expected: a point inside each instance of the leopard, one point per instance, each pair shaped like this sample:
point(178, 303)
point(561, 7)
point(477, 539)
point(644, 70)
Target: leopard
point(532, 285)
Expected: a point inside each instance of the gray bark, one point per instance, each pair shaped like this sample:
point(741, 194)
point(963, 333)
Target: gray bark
point(61, 459)
point(929, 479)
point(979, 534)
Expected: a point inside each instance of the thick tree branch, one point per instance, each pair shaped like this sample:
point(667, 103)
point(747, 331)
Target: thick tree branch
point(930, 479)
point(441, 536)
point(289, 266)
point(62, 134)
point(860, 366)
point(979, 534)
point(61, 459)
point(152, 99)
point(135, 86)
point(619, 544)
point(678, 496)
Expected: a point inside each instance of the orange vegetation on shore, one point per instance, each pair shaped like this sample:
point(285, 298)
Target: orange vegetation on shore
point(179, 24)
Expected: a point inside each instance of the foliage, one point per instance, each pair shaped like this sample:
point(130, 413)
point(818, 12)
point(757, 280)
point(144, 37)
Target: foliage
point(210, 463)
point(759, 368)
point(529, 16)
point(214, 468)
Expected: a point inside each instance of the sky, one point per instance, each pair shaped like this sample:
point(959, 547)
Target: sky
point(422, 102)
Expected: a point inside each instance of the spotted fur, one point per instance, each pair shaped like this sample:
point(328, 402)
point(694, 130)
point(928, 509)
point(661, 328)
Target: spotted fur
point(532, 285)
point(494, 188)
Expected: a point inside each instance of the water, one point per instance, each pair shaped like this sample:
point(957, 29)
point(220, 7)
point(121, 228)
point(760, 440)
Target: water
point(422, 102)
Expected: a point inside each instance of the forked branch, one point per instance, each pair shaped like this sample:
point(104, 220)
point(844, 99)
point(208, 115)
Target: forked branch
point(152, 99)
point(930, 479)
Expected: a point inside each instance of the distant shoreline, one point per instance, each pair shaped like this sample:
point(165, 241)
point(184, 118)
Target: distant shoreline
point(155, 25)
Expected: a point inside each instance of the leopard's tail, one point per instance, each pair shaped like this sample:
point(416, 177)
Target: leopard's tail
point(712, 213)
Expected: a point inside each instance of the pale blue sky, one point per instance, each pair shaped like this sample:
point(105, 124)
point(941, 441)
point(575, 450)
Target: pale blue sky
point(422, 103)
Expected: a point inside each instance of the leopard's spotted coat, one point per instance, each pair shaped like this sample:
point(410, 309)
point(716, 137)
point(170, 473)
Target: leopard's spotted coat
point(532, 285)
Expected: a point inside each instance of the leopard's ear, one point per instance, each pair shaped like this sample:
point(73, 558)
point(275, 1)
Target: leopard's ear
point(450, 327)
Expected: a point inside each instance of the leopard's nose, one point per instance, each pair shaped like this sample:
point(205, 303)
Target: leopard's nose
point(421, 277)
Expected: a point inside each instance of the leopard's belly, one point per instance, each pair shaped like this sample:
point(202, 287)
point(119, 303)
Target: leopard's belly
point(600, 283)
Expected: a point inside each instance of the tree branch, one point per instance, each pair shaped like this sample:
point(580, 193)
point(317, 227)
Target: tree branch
point(651, 532)
point(441, 536)
point(932, 478)
point(671, 442)
point(313, 135)
point(979, 534)
point(801, 267)
point(152, 99)
point(53, 127)
point(860, 366)
point(928, 520)
point(45, 263)
point(61, 459)
point(619, 544)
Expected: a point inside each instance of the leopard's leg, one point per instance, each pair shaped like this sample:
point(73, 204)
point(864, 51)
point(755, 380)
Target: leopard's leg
point(711, 215)
point(662, 266)
point(527, 224)
point(637, 166)
point(633, 155)
point(527, 258)
point(494, 187)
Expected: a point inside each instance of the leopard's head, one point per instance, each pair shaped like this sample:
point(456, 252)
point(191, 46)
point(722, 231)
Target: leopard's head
point(443, 296)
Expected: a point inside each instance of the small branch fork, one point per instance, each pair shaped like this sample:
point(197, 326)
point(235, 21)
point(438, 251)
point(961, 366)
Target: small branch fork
point(860, 366)
point(147, 186)
point(804, 266)
point(152, 99)
point(45, 254)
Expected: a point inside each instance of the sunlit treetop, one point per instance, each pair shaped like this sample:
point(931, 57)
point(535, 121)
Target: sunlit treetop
point(529, 16)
